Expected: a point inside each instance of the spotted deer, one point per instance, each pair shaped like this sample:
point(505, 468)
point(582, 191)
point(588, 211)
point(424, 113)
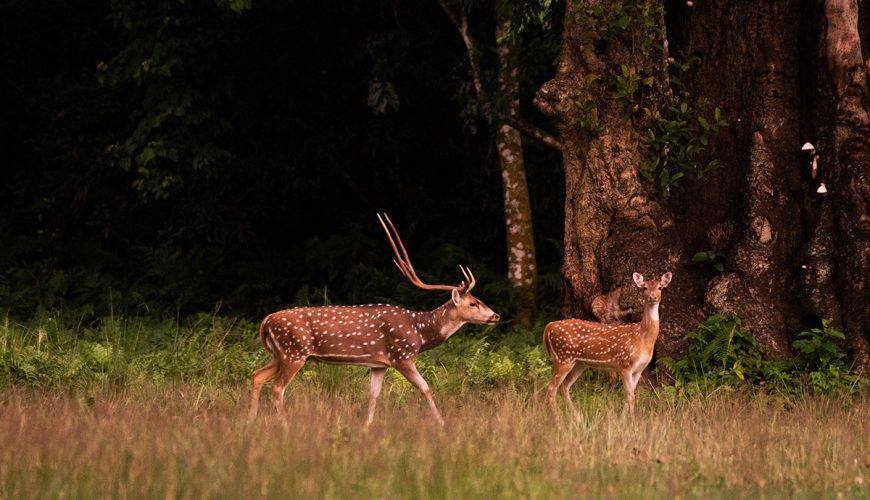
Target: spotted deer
point(378, 336)
point(574, 345)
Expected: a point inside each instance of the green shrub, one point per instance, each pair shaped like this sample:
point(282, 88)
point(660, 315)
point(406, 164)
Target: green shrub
point(723, 355)
point(720, 353)
point(823, 364)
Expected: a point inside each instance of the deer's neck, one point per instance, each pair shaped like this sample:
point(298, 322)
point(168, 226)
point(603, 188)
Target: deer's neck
point(649, 322)
point(437, 325)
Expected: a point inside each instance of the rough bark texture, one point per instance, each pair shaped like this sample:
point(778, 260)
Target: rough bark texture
point(783, 73)
point(849, 171)
point(748, 53)
point(613, 226)
point(522, 266)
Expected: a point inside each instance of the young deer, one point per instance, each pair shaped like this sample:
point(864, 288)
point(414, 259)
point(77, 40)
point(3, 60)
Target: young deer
point(574, 345)
point(379, 336)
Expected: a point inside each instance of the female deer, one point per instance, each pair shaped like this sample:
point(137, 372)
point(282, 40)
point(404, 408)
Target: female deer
point(574, 345)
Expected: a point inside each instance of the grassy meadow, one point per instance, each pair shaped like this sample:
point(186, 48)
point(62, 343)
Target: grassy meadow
point(101, 412)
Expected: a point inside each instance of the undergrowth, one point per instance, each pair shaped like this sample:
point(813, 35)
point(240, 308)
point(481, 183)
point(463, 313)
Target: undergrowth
point(722, 354)
point(115, 353)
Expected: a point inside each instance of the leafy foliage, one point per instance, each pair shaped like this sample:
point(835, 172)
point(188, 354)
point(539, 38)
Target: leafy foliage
point(719, 351)
point(822, 363)
point(723, 355)
point(176, 125)
point(214, 350)
point(177, 155)
point(678, 137)
point(711, 256)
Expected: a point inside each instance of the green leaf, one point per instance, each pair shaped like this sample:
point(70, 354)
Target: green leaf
point(704, 123)
point(701, 257)
point(147, 155)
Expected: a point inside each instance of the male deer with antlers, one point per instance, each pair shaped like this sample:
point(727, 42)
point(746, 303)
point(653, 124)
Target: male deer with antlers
point(379, 336)
point(574, 345)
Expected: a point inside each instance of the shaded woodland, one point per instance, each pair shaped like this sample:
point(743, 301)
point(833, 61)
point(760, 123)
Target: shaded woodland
point(174, 157)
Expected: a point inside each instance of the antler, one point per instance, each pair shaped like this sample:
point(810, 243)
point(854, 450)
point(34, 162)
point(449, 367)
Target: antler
point(403, 262)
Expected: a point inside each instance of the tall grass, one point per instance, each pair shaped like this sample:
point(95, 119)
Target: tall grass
point(191, 441)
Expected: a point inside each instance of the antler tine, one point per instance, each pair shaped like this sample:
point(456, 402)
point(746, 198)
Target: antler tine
point(469, 277)
point(407, 259)
point(402, 260)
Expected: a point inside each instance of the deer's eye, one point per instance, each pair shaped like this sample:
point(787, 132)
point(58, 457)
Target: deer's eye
point(473, 304)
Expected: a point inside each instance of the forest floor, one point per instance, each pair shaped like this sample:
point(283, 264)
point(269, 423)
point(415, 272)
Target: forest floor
point(188, 440)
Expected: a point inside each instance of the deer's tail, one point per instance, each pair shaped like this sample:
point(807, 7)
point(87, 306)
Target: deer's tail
point(548, 344)
point(264, 338)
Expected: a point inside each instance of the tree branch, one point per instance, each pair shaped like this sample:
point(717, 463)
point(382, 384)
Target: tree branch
point(533, 131)
point(461, 23)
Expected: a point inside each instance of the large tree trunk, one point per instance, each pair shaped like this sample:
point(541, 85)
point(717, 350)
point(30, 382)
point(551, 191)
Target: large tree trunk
point(749, 67)
point(801, 256)
point(613, 225)
point(848, 171)
point(522, 266)
point(783, 72)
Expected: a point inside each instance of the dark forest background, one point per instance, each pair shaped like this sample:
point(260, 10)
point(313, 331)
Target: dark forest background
point(167, 157)
point(172, 157)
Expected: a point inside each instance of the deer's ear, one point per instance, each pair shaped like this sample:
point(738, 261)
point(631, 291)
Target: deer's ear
point(638, 279)
point(666, 278)
point(455, 296)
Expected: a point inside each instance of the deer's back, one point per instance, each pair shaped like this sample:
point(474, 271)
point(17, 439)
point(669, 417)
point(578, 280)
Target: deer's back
point(364, 334)
point(592, 343)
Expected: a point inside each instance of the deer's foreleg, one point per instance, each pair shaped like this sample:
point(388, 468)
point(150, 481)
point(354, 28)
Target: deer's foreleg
point(565, 388)
point(628, 384)
point(409, 370)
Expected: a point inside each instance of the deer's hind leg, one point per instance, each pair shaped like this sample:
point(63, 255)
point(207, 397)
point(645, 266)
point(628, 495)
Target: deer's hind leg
point(260, 377)
point(377, 382)
point(560, 371)
point(287, 370)
point(565, 387)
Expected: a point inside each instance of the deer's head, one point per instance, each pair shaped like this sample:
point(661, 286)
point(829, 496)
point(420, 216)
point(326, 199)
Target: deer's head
point(463, 306)
point(652, 290)
point(469, 308)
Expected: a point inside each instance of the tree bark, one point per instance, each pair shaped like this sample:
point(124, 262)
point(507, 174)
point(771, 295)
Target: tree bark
point(522, 266)
point(782, 72)
point(503, 107)
point(613, 225)
point(849, 172)
point(756, 45)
